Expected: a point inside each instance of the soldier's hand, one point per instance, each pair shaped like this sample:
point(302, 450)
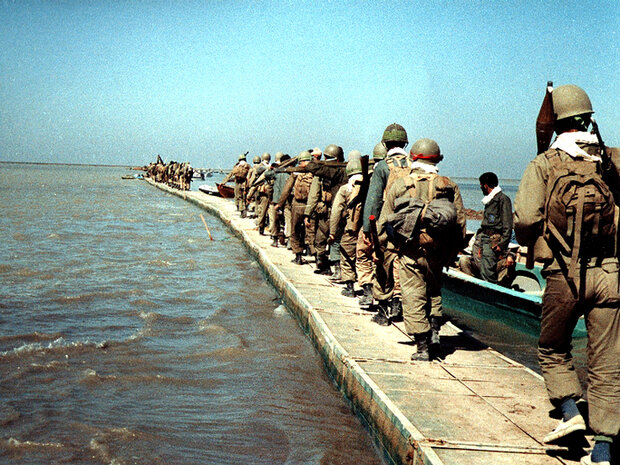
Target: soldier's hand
point(306, 222)
point(331, 239)
point(367, 241)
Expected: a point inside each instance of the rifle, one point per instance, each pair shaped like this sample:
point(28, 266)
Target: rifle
point(544, 132)
point(374, 236)
point(545, 120)
point(282, 168)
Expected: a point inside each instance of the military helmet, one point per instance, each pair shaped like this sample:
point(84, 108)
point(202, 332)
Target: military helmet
point(304, 156)
point(333, 151)
point(395, 133)
point(379, 152)
point(256, 159)
point(426, 149)
point(266, 156)
point(354, 166)
point(278, 156)
point(570, 100)
point(242, 157)
point(355, 155)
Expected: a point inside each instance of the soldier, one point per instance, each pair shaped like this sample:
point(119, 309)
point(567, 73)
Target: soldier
point(493, 236)
point(576, 242)
point(299, 184)
point(276, 218)
point(253, 174)
point(344, 212)
point(325, 185)
point(263, 195)
point(363, 259)
point(424, 248)
point(397, 163)
point(240, 173)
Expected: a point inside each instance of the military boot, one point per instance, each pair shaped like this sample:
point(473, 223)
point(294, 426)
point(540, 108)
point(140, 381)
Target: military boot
point(322, 265)
point(396, 309)
point(299, 259)
point(421, 342)
point(366, 299)
point(274, 241)
point(435, 327)
point(261, 230)
point(381, 317)
point(243, 214)
point(348, 290)
point(337, 276)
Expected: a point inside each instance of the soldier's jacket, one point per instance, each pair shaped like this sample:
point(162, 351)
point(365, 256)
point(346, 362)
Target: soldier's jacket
point(298, 185)
point(497, 219)
point(328, 177)
point(378, 182)
point(401, 188)
point(342, 212)
point(531, 198)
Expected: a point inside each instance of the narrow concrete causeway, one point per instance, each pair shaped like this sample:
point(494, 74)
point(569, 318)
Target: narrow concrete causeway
point(473, 407)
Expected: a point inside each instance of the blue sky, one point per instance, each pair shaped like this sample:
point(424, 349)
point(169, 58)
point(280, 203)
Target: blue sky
point(117, 82)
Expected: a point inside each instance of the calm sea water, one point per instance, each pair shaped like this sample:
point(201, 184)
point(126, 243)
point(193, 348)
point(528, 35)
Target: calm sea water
point(130, 338)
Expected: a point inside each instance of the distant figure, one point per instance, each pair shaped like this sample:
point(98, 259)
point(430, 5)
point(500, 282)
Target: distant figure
point(565, 210)
point(299, 184)
point(492, 239)
point(240, 174)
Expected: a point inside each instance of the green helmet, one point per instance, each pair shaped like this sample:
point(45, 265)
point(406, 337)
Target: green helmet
point(266, 156)
point(278, 156)
point(426, 149)
point(395, 133)
point(333, 151)
point(256, 159)
point(379, 152)
point(570, 100)
point(304, 156)
point(355, 155)
point(354, 166)
point(242, 157)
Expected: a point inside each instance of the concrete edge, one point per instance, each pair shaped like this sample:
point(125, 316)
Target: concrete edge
point(398, 438)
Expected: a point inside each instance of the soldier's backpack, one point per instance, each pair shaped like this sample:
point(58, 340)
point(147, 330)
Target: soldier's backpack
point(396, 170)
point(580, 212)
point(302, 186)
point(427, 217)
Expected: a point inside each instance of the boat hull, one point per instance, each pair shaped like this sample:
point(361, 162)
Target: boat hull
point(490, 301)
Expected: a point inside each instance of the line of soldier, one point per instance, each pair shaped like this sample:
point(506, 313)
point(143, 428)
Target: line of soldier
point(395, 229)
point(174, 174)
point(322, 209)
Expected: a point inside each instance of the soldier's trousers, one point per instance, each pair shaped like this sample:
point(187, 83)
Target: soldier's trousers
point(599, 302)
point(240, 195)
point(348, 246)
point(387, 287)
point(310, 235)
point(288, 219)
point(262, 204)
point(322, 233)
point(420, 281)
point(298, 231)
point(363, 260)
point(275, 221)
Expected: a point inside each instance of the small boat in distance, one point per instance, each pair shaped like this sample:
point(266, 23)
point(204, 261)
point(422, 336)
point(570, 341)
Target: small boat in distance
point(132, 176)
point(225, 191)
point(220, 190)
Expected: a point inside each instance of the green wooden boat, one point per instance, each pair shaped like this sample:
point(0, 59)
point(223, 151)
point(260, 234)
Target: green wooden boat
point(519, 306)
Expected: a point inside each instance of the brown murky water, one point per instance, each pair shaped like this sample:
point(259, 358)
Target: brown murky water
point(129, 338)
